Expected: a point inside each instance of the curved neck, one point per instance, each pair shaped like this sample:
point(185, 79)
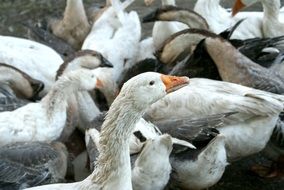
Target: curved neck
point(271, 9)
point(114, 161)
point(168, 2)
point(77, 7)
point(56, 99)
point(18, 83)
point(191, 19)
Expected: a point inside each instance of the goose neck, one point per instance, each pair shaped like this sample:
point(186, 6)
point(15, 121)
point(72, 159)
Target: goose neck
point(271, 9)
point(114, 159)
point(56, 99)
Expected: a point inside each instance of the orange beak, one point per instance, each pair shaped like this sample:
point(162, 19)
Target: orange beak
point(99, 84)
point(174, 83)
point(237, 7)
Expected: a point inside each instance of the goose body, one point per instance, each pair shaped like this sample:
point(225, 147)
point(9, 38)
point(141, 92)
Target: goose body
point(37, 60)
point(31, 164)
point(74, 27)
point(268, 25)
point(116, 34)
point(191, 166)
point(16, 88)
point(113, 169)
point(246, 132)
point(201, 168)
point(146, 172)
point(44, 120)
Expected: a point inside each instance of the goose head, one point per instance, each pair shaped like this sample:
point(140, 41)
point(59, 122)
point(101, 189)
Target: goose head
point(83, 59)
point(21, 83)
point(173, 13)
point(150, 87)
point(83, 79)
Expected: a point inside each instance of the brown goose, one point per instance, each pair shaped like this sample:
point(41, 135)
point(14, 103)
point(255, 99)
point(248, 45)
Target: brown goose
point(74, 27)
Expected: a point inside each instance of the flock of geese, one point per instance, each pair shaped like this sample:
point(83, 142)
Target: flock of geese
point(170, 111)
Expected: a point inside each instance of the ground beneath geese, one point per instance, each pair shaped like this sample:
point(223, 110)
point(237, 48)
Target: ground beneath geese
point(15, 13)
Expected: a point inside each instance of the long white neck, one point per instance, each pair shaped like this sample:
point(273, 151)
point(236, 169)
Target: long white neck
point(56, 100)
point(113, 166)
point(271, 26)
point(271, 9)
point(168, 2)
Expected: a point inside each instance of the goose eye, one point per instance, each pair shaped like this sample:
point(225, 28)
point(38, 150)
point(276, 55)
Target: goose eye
point(151, 82)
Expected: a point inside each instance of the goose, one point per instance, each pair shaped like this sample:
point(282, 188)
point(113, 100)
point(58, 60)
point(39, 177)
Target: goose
point(117, 35)
point(16, 88)
point(199, 131)
point(35, 59)
point(146, 172)
point(174, 50)
point(237, 68)
point(113, 170)
point(246, 132)
point(162, 30)
point(191, 166)
point(44, 120)
point(28, 164)
point(74, 27)
point(181, 44)
point(268, 25)
point(200, 168)
point(258, 77)
point(81, 108)
point(19, 83)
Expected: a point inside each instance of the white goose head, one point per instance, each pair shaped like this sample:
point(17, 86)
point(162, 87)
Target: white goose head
point(150, 87)
point(83, 79)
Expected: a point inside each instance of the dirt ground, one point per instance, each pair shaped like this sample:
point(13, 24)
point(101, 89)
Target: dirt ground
point(13, 13)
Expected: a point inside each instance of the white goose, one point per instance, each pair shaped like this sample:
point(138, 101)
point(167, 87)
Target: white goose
point(17, 83)
point(74, 27)
point(35, 59)
point(246, 132)
point(113, 168)
point(267, 26)
point(146, 173)
point(116, 34)
point(44, 120)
